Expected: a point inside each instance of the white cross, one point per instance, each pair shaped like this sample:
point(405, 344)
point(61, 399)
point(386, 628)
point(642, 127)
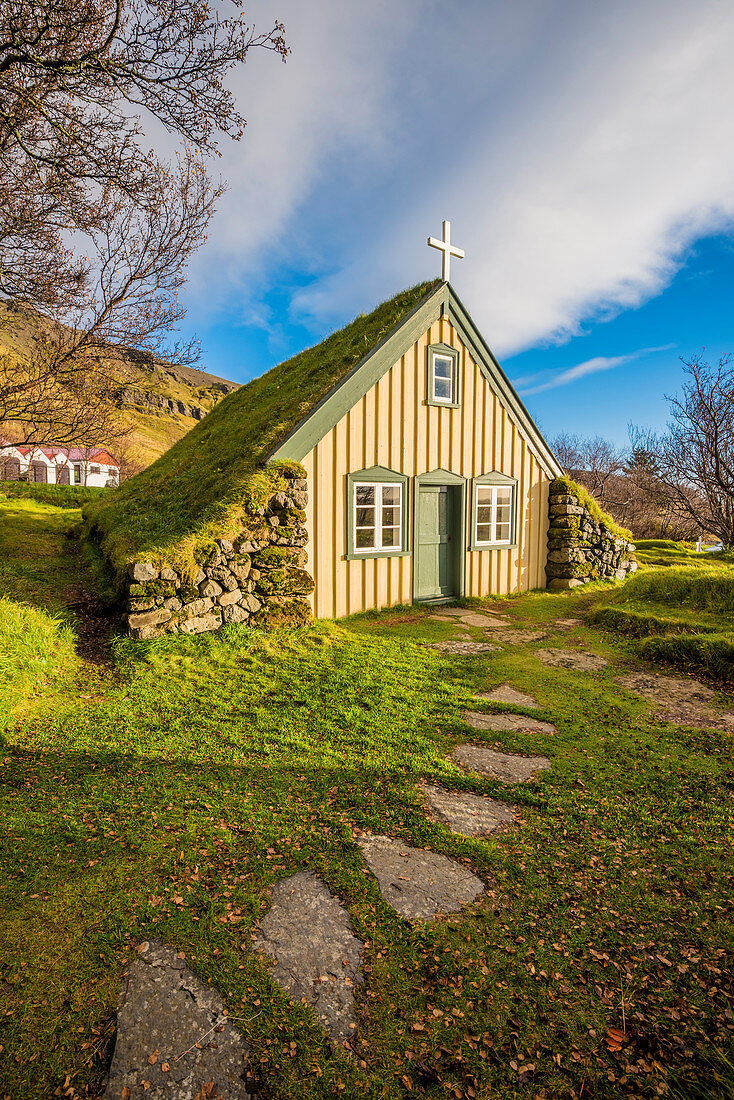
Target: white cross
point(448, 250)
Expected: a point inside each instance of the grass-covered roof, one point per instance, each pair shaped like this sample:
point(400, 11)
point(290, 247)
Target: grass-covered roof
point(195, 492)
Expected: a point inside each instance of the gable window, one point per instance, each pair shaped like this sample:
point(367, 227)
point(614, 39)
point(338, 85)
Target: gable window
point(377, 513)
point(443, 375)
point(493, 520)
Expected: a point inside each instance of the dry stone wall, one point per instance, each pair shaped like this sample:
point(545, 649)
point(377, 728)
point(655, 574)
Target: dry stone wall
point(582, 548)
point(258, 577)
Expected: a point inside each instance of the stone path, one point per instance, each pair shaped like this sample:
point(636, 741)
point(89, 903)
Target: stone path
point(683, 701)
point(499, 765)
point(468, 814)
point(416, 883)
point(463, 648)
point(173, 1040)
point(578, 660)
point(317, 955)
point(568, 624)
point(505, 693)
point(515, 722)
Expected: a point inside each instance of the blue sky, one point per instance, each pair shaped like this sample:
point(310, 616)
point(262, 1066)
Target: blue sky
point(584, 154)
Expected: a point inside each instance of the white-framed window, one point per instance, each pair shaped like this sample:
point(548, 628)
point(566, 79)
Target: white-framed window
point(94, 469)
point(378, 516)
point(443, 375)
point(443, 379)
point(493, 515)
point(77, 473)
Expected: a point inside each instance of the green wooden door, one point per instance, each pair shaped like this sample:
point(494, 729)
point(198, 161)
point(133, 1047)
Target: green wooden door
point(438, 542)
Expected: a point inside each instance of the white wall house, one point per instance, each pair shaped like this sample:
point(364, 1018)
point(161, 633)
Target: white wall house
point(92, 466)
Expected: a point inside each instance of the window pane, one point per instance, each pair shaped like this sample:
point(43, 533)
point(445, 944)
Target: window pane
point(484, 496)
point(365, 494)
point(391, 536)
point(442, 368)
point(391, 494)
point(503, 513)
point(503, 532)
point(442, 389)
point(365, 517)
point(484, 514)
point(365, 538)
point(504, 495)
point(484, 532)
point(390, 517)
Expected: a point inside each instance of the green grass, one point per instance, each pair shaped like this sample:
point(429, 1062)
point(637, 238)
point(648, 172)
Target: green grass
point(195, 491)
point(162, 797)
point(678, 610)
point(61, 496)
point(37, 652)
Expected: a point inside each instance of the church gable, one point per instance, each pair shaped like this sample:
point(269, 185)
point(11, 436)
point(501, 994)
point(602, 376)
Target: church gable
point(440, 306)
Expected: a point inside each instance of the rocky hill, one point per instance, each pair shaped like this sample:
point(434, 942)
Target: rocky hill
point(161, 401)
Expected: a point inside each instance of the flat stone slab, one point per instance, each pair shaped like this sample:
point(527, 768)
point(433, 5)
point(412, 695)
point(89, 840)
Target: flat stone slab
point(173, 1040)
point(499, 765)
point(416, 883)
point(518, 637)
point(462, 648)
point(516, 722)
point(506, 693)
point(577, 659)
point(683, 701)
point(468, 814)
point(309, 935)
point(476, 618)
point(568, 624)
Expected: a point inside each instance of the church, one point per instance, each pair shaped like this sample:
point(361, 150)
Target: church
point(427, 478)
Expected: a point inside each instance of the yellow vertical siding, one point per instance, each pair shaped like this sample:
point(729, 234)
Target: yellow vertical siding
point(392, 426)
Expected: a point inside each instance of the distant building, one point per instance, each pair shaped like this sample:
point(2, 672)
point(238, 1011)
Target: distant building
point(91, 466)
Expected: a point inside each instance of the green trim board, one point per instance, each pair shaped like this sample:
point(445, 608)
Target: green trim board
point(442, 301)
point(377, 475)
point(456, 486)
point(494, 477)
point(447, 352)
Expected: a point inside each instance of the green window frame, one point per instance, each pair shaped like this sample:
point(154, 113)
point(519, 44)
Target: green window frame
point(382, 512)
point(493, 512)
point(442, 388)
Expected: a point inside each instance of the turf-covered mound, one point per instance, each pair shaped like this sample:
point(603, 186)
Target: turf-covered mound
point(62, 496)
point(196, 492)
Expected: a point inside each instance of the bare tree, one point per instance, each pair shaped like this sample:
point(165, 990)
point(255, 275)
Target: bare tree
point(95, 230)
point(695, 456)
point(593, 460)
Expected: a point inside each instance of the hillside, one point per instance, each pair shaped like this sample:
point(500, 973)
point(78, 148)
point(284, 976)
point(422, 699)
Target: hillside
point(160, 401)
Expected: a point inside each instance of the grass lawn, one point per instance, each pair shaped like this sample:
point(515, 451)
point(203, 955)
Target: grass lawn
point(162, 796)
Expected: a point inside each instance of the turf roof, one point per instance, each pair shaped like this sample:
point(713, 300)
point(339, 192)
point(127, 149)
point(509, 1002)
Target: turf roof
point(195, 491)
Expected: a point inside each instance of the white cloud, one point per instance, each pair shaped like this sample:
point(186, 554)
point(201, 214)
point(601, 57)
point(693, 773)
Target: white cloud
point(577, 148)
point(532, 384)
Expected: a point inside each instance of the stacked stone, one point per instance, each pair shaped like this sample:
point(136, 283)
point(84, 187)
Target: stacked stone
point(257, 578)
point(581, 548)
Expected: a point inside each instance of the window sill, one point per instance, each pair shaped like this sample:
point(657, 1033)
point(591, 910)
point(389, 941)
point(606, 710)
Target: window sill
point(442, 404)
point(493, 546)
point(376, 554)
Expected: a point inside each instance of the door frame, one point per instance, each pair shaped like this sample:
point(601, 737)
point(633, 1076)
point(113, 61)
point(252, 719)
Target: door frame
point(452, 481)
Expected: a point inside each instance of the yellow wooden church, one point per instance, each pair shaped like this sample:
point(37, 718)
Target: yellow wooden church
point(427, 478)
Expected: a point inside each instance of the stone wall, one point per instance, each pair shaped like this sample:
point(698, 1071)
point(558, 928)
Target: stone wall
point(258, 577)
point(583, 547)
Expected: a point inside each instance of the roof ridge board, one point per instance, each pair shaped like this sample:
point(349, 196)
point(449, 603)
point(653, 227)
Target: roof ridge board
point(302, 441)
point(485, 357)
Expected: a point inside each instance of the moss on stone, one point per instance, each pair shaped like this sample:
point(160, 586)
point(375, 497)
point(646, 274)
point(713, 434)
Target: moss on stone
point(272, 557)
point(587, 501)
